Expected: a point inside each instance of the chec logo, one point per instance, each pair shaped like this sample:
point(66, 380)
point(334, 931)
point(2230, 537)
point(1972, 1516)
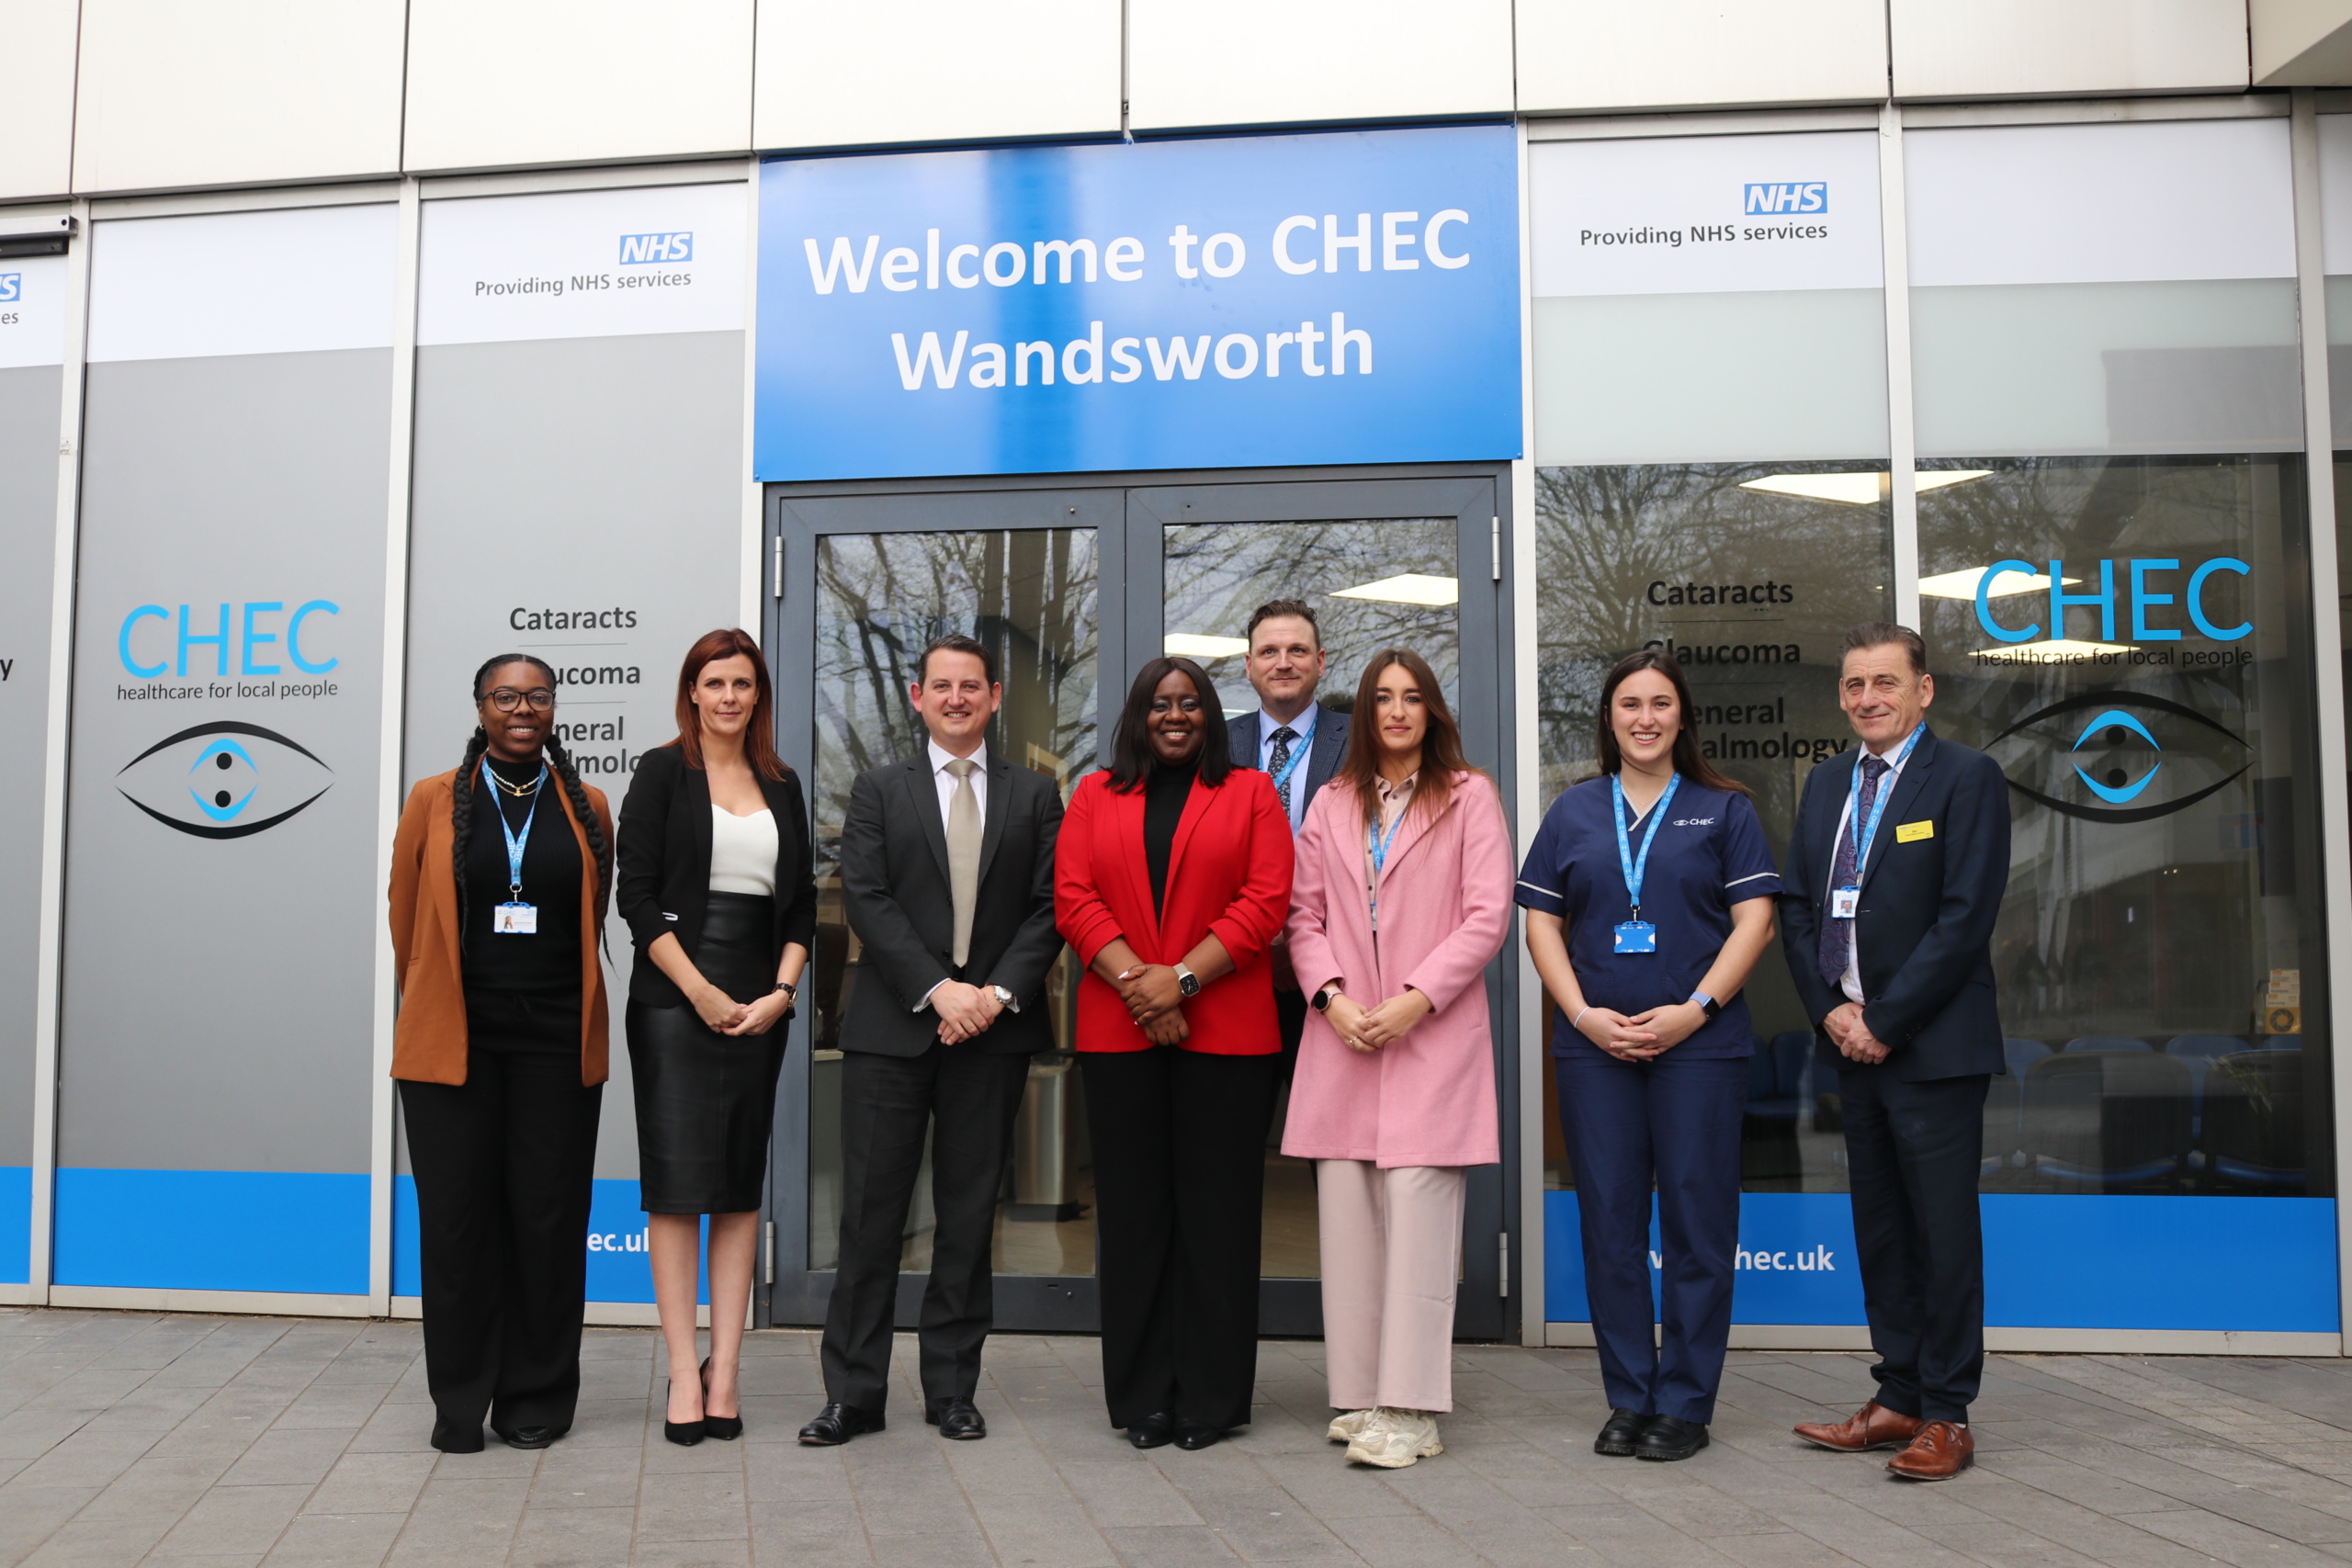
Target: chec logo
point(1788, 197)
point(224, 780)
point(2116, 756)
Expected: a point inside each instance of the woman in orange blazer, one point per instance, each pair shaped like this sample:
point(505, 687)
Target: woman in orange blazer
point(1171, 879)
point(500, 873)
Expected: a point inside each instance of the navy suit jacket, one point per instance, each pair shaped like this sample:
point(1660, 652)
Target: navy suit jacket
point(1331, 744)
point(1926, 912)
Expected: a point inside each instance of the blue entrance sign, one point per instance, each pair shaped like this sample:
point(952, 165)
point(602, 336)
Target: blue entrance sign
point(1225, 302)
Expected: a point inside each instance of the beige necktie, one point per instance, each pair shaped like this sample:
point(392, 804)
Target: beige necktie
point(963, 853)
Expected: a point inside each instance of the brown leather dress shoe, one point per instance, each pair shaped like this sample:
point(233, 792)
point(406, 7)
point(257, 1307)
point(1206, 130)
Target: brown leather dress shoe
point(1941, 1451)
point(1872, 1427)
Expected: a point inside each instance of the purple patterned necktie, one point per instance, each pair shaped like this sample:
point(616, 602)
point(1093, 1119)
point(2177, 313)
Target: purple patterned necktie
point(1838, 936)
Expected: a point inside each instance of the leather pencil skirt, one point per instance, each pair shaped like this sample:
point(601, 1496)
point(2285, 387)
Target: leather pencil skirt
point(706, 1101)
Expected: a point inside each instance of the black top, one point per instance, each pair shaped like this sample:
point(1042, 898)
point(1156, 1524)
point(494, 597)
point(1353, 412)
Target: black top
point(1164, 795)
point(523, 991)
point(662, 883)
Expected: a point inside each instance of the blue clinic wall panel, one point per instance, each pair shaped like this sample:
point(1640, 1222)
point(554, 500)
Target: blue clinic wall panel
point(617, 1268)
point(1332, 298)
point(2051, 1261)
point(213, 1230)
point(16, 1224)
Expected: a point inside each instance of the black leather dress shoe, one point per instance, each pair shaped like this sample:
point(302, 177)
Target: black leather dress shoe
point(531, 1436)
point(458, 1437)
point(1666, 1437)
point(1619, 1434)
point(838, 1422)
point(1195, 1436)
point(1155, 1430)
point(958, 1418)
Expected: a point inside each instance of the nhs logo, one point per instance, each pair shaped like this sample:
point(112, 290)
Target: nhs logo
point(1802, 195)
point(637, 250)
point(12, 288)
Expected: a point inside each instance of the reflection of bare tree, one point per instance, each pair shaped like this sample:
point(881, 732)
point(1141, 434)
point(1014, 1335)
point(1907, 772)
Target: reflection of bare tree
point(1215, 574)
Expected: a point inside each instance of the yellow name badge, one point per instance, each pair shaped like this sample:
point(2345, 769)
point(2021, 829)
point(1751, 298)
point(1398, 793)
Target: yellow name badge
point(1912, 832)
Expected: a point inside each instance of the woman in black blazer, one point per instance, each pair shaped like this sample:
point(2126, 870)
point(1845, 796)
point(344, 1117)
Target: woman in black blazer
point(717, 888)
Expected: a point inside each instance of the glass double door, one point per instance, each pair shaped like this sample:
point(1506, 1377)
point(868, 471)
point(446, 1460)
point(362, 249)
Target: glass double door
point(1072, 590)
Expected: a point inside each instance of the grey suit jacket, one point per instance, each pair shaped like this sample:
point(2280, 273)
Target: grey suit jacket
point(1247, 733)
point(895, 893)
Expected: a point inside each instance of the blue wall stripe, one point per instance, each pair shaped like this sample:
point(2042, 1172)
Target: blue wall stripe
point(2055, 1260)
point(16, 1224)
point(213, 1230)
point(618, 1270)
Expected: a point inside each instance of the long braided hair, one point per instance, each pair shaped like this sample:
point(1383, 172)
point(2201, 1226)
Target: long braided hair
point(461, 805)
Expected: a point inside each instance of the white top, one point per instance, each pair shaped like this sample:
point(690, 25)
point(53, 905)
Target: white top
point(946, 781)
point(1852, 980)
point(743, 853)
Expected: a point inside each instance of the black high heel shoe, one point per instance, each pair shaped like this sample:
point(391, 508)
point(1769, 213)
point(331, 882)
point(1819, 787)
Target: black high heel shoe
point(686, 1434)
point(726, 1428)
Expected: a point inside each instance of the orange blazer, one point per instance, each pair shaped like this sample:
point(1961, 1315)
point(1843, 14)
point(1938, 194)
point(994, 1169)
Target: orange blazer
point(429, 1039)
point(1228, 873)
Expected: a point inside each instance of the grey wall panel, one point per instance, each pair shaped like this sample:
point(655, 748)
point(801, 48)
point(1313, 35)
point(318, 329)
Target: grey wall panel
point(217, 988)
point(594, 480)
point(28, 532)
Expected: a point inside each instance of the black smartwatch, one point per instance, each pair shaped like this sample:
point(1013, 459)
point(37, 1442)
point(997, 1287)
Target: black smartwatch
point(1187, 983)
point(1321, 1001)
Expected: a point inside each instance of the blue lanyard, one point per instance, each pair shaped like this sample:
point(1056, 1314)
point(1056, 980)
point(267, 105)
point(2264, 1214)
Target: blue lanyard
point(1863, 835)
point(1635, 870)
point(513, 844)
point(1377, 847)
point(1299, 748)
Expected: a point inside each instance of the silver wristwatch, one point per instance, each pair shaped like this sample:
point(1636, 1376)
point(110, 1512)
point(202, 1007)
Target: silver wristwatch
point(1003, 997)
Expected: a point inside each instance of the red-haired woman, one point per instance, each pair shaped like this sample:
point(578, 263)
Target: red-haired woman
point(716, 885)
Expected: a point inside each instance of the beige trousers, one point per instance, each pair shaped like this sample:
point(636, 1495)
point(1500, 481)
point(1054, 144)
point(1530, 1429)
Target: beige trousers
point(1392, 1251)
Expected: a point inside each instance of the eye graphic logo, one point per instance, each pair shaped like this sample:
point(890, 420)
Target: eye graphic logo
point(223, 780)
point(2116, 757)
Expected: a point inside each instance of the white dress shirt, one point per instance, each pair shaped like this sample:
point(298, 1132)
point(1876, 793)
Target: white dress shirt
point(946, 783)
point(1852, 980)
point(1304, 727)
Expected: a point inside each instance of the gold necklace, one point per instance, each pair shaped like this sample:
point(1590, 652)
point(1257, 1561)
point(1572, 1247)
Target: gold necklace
point(520, 792)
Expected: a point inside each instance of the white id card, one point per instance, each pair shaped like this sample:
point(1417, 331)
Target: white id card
point(515, 919)
point(1843, 902)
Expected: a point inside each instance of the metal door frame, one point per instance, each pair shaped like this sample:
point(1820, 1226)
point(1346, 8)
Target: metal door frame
point(1128, 511)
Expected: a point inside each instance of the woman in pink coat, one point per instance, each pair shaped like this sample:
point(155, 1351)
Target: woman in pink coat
point(1402, 897)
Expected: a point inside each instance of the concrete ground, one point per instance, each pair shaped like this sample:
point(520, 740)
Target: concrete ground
point(153, 1439)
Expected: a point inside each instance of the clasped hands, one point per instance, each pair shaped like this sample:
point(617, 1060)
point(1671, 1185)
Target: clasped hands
point(1373, 1029)
point(964, 1011)
point(1155, 1001)
point(1644, 1036)
point(1854, 1037)
point(725, 1015)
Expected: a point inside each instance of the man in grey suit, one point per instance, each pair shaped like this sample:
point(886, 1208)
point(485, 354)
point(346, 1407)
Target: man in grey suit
point(1293, 738)
point(947, 878)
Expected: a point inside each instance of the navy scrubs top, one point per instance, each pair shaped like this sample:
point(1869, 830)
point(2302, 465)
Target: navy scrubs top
point(1709, 854)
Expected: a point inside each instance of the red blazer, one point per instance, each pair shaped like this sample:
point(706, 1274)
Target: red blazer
point(1228, 872)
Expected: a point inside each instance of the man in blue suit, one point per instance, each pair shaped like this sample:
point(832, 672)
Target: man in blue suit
point(1892, 882)
point(1293, 738)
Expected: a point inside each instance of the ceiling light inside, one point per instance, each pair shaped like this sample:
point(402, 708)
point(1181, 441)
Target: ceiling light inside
point(1412, 588)
point(1192, 645)
point(1857, 490)
point(1963, 584)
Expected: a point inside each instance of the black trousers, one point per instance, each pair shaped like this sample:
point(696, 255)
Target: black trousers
point(1179, 1178)
point(966, 1100)
point(503, 1163)
point(1912, 1150)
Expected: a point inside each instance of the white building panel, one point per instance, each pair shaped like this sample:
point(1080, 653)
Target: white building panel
point(32, 310)
point(1582, 55)
point(836, 75)
point(499, 83)
point(36, 98)
point(236, 92)
point(1235, 62)
point(290, 281)
point(1950, 49)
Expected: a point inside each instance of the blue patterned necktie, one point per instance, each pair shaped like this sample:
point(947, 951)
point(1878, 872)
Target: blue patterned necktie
point(1838, 936)
point(1282, 738)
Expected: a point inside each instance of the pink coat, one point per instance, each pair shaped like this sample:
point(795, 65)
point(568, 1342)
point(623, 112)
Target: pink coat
point(1445, 901)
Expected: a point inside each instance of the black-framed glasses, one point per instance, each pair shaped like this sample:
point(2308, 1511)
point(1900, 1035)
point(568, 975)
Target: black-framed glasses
point(506, 699)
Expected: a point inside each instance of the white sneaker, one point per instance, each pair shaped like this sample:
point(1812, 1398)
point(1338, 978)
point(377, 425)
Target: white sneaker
point(1343, 1429)
point(1394, 1439)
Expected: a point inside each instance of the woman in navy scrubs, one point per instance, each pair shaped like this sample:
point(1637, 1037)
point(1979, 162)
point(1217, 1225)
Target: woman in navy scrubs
point(1649, 894)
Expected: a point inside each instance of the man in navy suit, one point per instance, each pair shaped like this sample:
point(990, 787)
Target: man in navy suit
point(1295, 738)
point(1892, 884)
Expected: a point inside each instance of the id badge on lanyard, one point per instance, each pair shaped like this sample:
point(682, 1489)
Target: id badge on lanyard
point(516, 918)
point(1846, 903)
point(1637, 935)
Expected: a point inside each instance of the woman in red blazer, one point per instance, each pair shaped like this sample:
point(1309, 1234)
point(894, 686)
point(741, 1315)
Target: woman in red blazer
point(1171, 879)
